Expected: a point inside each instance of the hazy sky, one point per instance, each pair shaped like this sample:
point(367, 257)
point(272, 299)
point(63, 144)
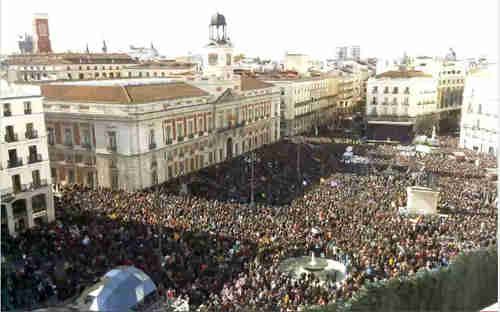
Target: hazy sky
point(384, 28)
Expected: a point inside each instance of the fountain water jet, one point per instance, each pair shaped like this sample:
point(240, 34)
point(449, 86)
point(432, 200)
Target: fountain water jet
point(323, 268)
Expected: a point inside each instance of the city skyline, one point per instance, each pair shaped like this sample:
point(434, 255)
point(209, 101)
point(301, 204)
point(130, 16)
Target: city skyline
point(387, 30)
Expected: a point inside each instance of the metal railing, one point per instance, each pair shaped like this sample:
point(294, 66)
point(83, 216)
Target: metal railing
point(38, 184)
point(7, 113)
point(111, 148)
point(13, 163)
point(180, 139)
point(168, 141)
point(28, 111)
point(34, 158)
point(31, 134)
point(68, 144)
point(12, 137)
point(152, 145)
point(19, 188)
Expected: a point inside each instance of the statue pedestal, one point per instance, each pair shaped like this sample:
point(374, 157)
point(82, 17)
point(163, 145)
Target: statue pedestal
point(422, 200)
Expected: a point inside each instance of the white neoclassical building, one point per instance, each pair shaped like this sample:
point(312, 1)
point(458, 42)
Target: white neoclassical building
point(25, 181)
point(396, 99)
point(479, 125)
point(135, 133)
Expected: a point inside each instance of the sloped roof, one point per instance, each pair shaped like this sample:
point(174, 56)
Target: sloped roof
point(120, 93)
point(403, 74)
point(70, 58)
point(248, 83)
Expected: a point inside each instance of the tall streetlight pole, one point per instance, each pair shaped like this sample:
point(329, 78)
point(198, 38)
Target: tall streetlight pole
point(252, 185)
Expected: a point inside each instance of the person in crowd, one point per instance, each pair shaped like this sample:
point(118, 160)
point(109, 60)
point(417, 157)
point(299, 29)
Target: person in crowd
point(222, 255)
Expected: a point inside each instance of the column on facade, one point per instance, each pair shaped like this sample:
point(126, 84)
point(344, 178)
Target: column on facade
point(50, 206)
point(10, 219)
point(29, 210)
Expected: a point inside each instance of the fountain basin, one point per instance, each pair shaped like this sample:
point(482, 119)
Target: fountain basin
point(323, 268)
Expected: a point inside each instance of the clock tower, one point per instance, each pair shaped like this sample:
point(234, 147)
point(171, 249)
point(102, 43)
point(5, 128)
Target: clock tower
point(218, 58)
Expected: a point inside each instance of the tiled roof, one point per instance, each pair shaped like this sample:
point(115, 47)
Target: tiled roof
point(120, 94)
point(403, 74)
point(163, 65)
point(248, 83)
point(70, 58)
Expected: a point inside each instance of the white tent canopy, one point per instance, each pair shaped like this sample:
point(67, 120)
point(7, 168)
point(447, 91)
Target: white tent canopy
point(118, 290)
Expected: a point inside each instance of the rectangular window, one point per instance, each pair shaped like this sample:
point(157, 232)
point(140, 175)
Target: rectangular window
point(114, 181)
point(180, 129)
point(68, 137)
point(51, 136)
point(201, 126)
point(16, 183)
point(168, 134)
point(71, 176)
point(112, 141)
point(86, 137)
point(152, 137)
point(27, 107)
point(191, 127)
point(220, 120)
point(6, 110)
point(35, 174)
point(237, 115)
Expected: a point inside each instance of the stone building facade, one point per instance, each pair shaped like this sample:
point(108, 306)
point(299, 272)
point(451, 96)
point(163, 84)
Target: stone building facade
point(25, 180)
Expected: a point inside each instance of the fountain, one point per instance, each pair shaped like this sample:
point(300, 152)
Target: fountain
point(323, 268)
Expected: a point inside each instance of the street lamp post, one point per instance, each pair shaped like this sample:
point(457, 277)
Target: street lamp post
point(252, 185)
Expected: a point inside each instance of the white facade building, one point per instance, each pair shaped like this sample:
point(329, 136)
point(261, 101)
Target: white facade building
point(479, 125)
point(298, 62)
point(25, 179)
point(398, 98)
point(134, 133)
point(401, 94)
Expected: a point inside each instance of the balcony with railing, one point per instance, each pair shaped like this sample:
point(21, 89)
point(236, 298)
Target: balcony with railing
point(152, 145)
point(31, 134)
point(191, 135)
point(180, 139)
point(111, 148)
point(11, 137)
point(34, 158)
point(7, 113)
point(19, 188)
point(68, 144)
point(14, 163)
point(38, 184)
point(86, 145)
point(168, 142)
point(27, 111)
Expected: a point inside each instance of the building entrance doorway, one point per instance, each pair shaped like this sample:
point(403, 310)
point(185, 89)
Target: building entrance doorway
point(229, 148)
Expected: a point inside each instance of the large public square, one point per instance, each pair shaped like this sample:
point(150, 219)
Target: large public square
point(214, 249)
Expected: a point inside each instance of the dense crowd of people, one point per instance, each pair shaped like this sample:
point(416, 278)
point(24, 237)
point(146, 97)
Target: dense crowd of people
point(220, 254)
